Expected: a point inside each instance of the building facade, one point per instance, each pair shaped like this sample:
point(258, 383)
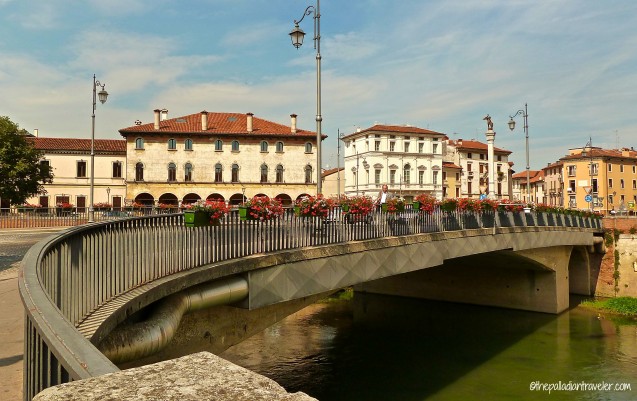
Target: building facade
point(70, 162)
point(333, 182)
point(451, 180)
point(472, 157)
point(225, 156)
point(407, 159)
point(554, 181)
point(536, 193)
point(609, 176)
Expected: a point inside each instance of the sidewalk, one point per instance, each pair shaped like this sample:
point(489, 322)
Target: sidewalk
point(11, 335)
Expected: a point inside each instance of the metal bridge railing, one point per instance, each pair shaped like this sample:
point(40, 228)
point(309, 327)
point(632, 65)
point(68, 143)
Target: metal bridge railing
point(67, 277)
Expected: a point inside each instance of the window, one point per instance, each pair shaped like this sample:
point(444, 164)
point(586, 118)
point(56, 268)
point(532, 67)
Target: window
point(594, 169)
point(634, 169)
point(308, 174)
point(218, 172)
point(367, 146)
point(571, 170)
point(219, 145)
point(435, 148)
point(264, 146)
point(634, 184)
point(469, 156)
point(481, 167)
point(117, 169)
point(264, 173)
point(279, 174)
point(571, 185)
point(308, 148)
point(279, 147)
point(469, 189)
point(188, 172)
point(139, 172)
point(610, 183)
point(139, 143)
point(621, 183)
point(421, 147)
point(406, 173)
point(594, 185)
point(172, 144)
point(377, 146)
point(392, 176)
point(610, 167)
point(377, 176)
point(235, 146)
point(45, 164)
point(499, 158)
point(392, 146)
point(406, 144)
point(235, 172)
point(469, 167)
point(421, 177)
point(81, 169)
point(621, 168)
point(481, 156)
point(457, 176)
point(188, 144)
point(172, 172)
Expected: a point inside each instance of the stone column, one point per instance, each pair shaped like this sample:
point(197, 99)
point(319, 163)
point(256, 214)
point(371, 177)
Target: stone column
point(490, 140)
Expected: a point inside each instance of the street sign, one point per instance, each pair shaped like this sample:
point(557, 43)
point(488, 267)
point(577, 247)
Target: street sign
point(588, 198)
point(631, 204)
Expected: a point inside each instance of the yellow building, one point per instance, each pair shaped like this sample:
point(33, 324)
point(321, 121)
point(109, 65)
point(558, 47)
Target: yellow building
point(609, 176)
point(451, 180)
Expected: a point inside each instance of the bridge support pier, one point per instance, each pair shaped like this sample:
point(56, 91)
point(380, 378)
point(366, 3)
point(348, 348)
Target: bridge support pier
point(533, 280)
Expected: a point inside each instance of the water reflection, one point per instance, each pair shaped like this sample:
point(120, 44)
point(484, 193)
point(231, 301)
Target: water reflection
point(389, 348)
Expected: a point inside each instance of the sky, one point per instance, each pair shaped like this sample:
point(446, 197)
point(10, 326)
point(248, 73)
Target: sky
point(437, 64)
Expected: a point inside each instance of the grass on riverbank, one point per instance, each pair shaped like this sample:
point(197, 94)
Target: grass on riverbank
point(625, 306)
point(346, 294)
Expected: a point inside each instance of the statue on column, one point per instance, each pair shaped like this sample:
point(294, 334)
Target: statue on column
point(489, 122)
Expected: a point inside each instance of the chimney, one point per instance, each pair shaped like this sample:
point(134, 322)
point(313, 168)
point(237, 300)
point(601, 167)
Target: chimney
point(164, 114)
point(249, 121)
point(35, 132)
point(157, 111)
point(204, 120)
point(293, 123)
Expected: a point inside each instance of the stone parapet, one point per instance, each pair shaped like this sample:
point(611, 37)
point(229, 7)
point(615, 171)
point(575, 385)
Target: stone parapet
point(196, 377)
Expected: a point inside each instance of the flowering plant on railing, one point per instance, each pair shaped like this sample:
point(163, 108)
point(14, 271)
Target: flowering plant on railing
point(264, 208)
point(65, 205)
point(215, 209)
point(488, 205)
point(544, 208)
point(362, 205)
point(510, 206)
point(30, 206)
point(102, 205)
point(395, 205)
point(426, 203)
point(137, 205)
point(448, 205)
point(469, 205)
point(166, 206)
point(310, 206)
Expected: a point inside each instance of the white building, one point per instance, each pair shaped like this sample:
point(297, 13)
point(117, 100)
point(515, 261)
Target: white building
point(218, 156)
point(472, 157)
point(407, 159)
point(70, 162)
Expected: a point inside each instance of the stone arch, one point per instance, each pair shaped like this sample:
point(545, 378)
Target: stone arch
point(285, 199)
point(190, 198)
point(237, 199)
point(169, 199)
point(215, 197)
point(145, 199)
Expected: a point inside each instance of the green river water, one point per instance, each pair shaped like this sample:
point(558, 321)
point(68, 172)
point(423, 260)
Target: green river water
point(389, 348)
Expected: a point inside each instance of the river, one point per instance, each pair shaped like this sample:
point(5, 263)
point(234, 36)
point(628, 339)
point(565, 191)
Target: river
point(389, 348)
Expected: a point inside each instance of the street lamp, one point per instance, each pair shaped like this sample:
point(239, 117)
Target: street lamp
point(297, 35)
point(524, 114)
point(101, 95)
point(108, 194)
point(589, 145)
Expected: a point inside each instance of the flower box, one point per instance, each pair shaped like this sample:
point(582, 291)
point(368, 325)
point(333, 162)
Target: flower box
point(196, 218)
point(244, 213)
point(415, 205)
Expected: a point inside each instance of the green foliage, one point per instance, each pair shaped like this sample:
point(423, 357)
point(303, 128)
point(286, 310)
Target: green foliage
point(620, 305)
point(20, 168)
point(632, 230)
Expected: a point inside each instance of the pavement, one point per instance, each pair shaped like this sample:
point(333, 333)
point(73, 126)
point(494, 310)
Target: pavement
point(11, 335)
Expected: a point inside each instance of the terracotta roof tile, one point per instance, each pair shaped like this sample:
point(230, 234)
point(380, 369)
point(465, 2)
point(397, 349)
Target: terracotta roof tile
point(597, 152)
point(450, 165)
point(403, 129)
point(218, 124)
point(78, 145)
point(331, 171)
point(463, 144)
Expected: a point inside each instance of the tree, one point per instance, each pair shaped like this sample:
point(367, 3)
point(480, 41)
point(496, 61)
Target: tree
point(22, 174)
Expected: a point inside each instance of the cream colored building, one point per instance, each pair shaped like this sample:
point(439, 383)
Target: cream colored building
point(218, 156)
point(472, 157)
point(554, 182)
point(334, 182)
point(608, 175)
point(70, 161)
point(407, 159)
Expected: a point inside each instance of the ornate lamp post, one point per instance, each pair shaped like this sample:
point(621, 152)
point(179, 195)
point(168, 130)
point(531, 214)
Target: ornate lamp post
point(297, 35)
point(101, 95)
point(524, 114)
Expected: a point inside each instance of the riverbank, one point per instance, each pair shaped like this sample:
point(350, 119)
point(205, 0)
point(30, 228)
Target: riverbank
point(621, 306)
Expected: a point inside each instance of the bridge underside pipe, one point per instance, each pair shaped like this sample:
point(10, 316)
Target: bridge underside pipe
point(127, 343)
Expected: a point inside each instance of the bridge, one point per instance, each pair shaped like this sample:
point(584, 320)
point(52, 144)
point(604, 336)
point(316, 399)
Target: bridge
point(117, 294)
